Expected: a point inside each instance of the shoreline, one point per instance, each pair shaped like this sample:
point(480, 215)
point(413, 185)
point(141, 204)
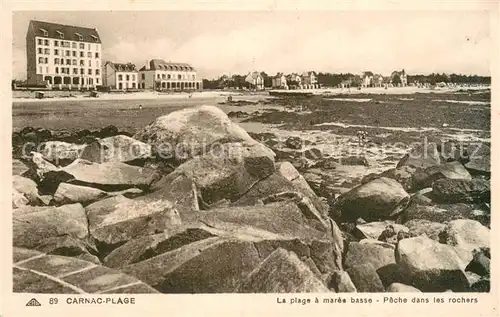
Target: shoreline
point(246, 94)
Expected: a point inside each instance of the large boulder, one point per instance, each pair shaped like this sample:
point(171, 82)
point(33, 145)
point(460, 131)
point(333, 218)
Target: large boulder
point(27, 187)
point(119, 148)
point(18, 199)
point(341, 282)
point(423, 155)
point(365, 278)
point(453, 170)
point(213, 265)
point(149, 246)
point(178, 189)
point(186, 133)
point(18, 167)
point(461, 190)
point(402, 288)
point(479, 159)
point(402, 174)
point(372, 201)
point(228, 171)
point(468, 235)
point(35, 272)
point(116, 220)
point(431, 266)
point(282, 272)
point(60, 153)
point(32, 226)
point(440, 213)
point(432, 230)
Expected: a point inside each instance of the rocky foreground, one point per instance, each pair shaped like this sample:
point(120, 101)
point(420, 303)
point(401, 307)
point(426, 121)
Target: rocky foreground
point(218, 212)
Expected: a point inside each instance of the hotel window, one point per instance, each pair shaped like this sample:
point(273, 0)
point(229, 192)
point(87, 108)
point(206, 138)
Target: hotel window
point(90, 71)
point(47, 51)
point(45, 33)
point(194, 77)
point(169, 76)
point(143, 76)
point(57, 70)
point(97, 80)
point(74, 53)
point(128, 77)
point(39, 41)
point(97, 71)
point(81, 54)
point(61, 34)
point(68, 62)
point(96, 55)
point(163, 76)
point(89, 47)
point(56, 61)
point(90, 63)
point(40, 70)
point(82, 71)
point(56, 43)
point(47, 42)
point(75, 71)
point(158, 76)
point(179, 76)
point(89, 54)
point(73, 45)
point(74, 62)
point(82, 46)
point(94, 38)
point(56, 52)
point(133, 77)
point(82, 62)
point(120, 77)
point(68, 53)
point(46, 60)
point(40, 50)
point(40, 60)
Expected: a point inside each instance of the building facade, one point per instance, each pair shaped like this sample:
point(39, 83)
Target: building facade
point(160, 75)
point(121, 76)
point(309, 80)
point(63, 56)
point(255, 80)
point(279, 81)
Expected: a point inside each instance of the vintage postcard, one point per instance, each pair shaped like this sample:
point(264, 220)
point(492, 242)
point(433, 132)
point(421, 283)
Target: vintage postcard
point(250, 158)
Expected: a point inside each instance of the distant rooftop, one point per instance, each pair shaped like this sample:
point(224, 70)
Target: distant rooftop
point(122, 67)
point(64, 32)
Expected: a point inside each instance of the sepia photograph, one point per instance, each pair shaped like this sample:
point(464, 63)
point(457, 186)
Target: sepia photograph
point(251, 152)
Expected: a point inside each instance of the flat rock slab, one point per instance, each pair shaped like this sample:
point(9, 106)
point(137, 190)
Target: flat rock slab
point(282, 272)
point(110, 173)
point(423, 178)
point(431, 266)
point(373, 230)
point(116, 220)
point(425, 227)
point(402, 288)
point(69, 193)
point(31, 225)
point(36, 272)
point(27, 187)
point(58, 151)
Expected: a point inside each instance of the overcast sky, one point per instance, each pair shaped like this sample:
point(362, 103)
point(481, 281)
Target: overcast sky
point(219, 43)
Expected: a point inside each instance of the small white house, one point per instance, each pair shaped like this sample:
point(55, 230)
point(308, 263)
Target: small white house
point(120, 76)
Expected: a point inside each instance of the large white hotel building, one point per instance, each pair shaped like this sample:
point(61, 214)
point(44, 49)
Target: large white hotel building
point(63, 55)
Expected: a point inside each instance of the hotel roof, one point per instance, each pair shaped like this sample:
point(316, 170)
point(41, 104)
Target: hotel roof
point(160, 64)
point(64, 32)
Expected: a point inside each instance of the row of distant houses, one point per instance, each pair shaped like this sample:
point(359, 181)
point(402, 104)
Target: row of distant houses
point(306, 80)
point(309, 80)
point(397, 78)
